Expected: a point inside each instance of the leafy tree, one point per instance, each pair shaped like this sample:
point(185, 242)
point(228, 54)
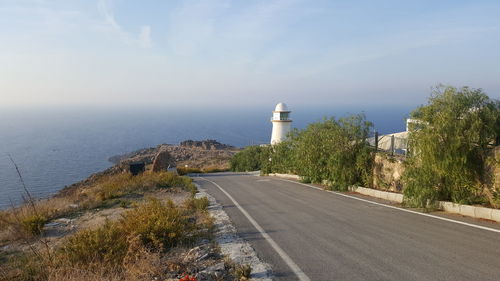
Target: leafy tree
point(336, 151)
point(249, 159)
point(449, 146)
point(280, 158)
point(333, 150)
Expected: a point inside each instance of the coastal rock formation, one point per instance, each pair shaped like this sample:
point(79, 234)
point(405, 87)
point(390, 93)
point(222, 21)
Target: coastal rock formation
point(163, 161)
point(205, 144)
point(194, 154)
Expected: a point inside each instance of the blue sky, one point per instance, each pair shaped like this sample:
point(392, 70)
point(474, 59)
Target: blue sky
point(243, 53)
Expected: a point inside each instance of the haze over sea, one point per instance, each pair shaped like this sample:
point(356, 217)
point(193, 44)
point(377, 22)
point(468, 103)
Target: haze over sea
point(55, 147)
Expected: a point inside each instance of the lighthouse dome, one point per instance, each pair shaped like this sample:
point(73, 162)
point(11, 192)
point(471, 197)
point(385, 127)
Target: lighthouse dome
point(281, 107)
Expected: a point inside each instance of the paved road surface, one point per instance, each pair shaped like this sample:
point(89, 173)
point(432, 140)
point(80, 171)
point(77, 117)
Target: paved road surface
point(331, 237)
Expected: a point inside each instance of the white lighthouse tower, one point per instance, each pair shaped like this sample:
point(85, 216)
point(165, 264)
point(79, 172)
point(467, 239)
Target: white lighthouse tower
point(282, 124)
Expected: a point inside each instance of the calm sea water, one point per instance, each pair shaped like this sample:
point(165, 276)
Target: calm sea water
point(55, 147)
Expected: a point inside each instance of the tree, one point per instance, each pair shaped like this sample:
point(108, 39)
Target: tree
point(336, 151)
point(249, 159)
point(449, 147)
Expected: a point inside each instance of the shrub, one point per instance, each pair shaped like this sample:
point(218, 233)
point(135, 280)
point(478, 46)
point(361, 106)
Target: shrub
point(105, 245)
point(24, 267)
point(187, 170)
point(279, 158)
point(200, 204)
point(159, 225)
point(247, 160)
point(214, 170)
point(243, 271)
point(449, 147)
point(125, 203)
point(118, 185)
point(334, 150)
point(34, 224)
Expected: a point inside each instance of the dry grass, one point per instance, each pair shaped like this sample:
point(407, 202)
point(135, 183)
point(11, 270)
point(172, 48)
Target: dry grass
point(27, 221)
point(128, 249)
point(208, 169)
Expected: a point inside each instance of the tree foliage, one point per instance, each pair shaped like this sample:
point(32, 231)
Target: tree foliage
point(449, 146)
point(280, 158)
point(336, 151)
point(248, 159)
point(332, 150)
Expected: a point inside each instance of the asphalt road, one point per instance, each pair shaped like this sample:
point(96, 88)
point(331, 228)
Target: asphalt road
point(331, 237)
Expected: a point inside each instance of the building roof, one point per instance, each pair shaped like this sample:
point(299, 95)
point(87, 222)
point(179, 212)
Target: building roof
point(281, 107)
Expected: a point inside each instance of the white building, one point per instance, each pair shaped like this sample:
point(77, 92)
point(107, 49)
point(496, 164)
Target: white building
point(282, 124)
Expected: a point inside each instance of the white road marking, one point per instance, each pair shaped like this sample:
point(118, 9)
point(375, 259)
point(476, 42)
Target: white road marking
point(293, 266)
point(396, 208)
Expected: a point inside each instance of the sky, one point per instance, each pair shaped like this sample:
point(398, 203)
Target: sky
point(243, 53)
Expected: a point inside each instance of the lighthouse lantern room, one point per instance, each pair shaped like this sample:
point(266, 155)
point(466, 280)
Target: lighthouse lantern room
point(282, 124)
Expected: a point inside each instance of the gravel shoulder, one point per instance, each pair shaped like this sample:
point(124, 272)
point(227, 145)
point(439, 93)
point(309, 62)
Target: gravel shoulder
point(233, 246)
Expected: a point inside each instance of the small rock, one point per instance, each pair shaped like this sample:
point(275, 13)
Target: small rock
point(64, 220)
point(217, 267)
point(202, 257)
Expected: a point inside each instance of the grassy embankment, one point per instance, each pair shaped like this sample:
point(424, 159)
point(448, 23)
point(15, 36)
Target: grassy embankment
point(140, 245)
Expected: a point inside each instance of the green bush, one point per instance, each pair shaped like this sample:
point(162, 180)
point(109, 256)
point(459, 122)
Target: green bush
point(243, 271)
point(336, 151)
point(106, 245)
point(187, 170)
point(279, 158)
point(159, 225)
point(200, 204)
point(449, 147)
point(333, 150)
point(247, 160)
point(34, 224)
point(214, 170)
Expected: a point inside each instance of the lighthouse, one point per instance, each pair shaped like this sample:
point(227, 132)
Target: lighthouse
point(282, 124)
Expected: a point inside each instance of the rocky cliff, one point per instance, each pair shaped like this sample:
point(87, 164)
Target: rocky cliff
point(194, 154)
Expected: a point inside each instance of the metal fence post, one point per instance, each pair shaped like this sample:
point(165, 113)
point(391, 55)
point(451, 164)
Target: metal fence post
point(376, 141)
point(392, 145)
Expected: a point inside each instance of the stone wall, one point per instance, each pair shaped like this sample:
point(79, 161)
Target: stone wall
point(387, 172)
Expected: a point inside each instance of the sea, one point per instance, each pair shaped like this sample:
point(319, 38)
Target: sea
point(56, 146)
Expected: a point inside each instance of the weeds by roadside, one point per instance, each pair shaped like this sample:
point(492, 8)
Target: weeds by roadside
point(28, 220)
point(187, 170)
point(116, 248)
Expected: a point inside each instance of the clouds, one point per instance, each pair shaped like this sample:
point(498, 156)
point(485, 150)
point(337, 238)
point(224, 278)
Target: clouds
point(143, 39)
point(109, 18)
point(145, 36)
point(243, 51)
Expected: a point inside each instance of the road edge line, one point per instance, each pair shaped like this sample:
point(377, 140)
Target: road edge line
point(396, 208)
point(286, 258)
